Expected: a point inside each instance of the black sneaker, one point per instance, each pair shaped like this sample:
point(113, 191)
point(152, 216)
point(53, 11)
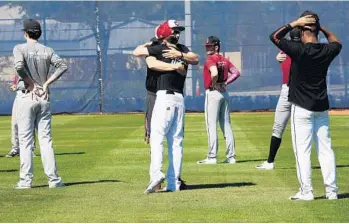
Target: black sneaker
point(12, 153)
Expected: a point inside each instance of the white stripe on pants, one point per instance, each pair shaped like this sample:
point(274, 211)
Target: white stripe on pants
point(167, 120)
point(305, 126)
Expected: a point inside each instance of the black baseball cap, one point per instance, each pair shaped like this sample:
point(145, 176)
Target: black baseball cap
point(32, 25)
point(295, 34)
point(212, 41)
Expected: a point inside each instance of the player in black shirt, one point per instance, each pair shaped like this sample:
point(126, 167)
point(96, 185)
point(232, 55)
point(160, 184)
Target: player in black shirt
point(168, 113)
point(308, 95)
point(150, 85)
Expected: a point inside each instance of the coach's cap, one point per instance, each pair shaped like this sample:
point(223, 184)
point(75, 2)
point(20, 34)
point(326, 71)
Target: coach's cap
point(295, 34)
point(166, 29)
point(32, 25)
point(212, 40)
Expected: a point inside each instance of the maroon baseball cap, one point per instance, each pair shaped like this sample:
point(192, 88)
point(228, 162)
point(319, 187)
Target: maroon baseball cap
point(166, 29)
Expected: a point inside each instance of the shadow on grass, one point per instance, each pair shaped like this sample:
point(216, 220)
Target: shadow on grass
point(219, 185)
point(340, 196)
point(8, 171)
point(338, 166)
point(65, 153)
point(250, 160)
point(82, 183)
point(313, 167)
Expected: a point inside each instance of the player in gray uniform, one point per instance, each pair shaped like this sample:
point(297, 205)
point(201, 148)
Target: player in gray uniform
point(218, 73)
point(283, 107)
point(14, 127)
point(32, 63)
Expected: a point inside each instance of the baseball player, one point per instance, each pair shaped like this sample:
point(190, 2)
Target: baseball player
point(218, 73)
point(168, 114)
point(283, 107)
point(308, 95)
point(150, 85)
point(32, 63)
point(14, 128)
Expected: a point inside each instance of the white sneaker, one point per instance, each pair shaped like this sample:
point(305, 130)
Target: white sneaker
point(265, 166)
point(305, 197)
point(60, 184)
point(207, 161)
point(331, 196)
point(21, 187)
point(230, 160)
point(153, 184)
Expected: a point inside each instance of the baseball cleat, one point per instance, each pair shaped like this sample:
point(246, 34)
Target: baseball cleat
point(265, 166)
point(207, 161)
point(331, 196)
point(12, 154)
point(230, 160)
point(153, 185)
point(21, 187)
point(302, 197)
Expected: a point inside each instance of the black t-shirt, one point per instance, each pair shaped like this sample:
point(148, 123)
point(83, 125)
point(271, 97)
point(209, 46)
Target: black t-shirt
point(152, 77)
point(171, 80)
point(310, 62)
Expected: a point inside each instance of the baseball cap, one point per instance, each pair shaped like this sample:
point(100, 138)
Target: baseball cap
point(295, 34)
point(31, 24)
point(212, 40)
point(166, 29)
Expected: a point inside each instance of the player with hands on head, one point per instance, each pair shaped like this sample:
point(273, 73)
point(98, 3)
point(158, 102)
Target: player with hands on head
point(309, 98)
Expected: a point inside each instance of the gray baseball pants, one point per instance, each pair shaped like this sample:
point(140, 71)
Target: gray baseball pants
point(35, 113)
point(217, 109)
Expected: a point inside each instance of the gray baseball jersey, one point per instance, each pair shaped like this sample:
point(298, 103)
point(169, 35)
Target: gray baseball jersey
point(34, 60)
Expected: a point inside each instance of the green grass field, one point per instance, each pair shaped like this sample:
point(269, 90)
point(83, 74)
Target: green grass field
point(105, 162)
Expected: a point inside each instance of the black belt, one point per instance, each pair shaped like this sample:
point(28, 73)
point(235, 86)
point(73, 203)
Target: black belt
point(172, 92)
point(211, 89)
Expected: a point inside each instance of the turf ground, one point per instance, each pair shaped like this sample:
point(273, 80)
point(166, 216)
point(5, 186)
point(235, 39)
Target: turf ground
point(104, 162)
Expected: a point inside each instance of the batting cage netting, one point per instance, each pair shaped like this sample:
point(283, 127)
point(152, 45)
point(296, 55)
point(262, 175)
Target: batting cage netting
point(96, 39)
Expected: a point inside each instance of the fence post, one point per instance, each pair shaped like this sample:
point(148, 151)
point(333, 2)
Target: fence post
point(99, 60)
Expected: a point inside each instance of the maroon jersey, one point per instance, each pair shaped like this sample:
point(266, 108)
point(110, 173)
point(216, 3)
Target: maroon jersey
point(223, 67)
point(285, 67)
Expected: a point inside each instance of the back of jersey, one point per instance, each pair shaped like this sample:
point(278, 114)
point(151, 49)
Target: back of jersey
point(38, 60)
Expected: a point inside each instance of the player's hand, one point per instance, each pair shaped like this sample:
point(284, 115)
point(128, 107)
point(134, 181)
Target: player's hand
point(45, 91)
point(281, 57)
point(306, 20)
point(171, 53)
point(180, 68)
point(221, 87)
point(13, 87)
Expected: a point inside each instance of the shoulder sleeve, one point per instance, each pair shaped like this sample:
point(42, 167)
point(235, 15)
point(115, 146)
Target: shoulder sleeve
point(185, 49)
point(155, 50)
point(334, 48)
point(210, 62)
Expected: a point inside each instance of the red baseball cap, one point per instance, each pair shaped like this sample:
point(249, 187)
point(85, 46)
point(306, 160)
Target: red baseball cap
point(166, 29)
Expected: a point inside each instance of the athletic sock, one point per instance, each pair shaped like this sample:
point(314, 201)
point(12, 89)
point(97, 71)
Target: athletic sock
point(274, 147)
